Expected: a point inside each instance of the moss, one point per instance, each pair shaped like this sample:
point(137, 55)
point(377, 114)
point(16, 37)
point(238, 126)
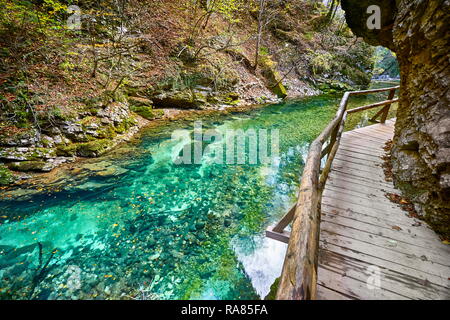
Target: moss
point(273, 77)
point(93, 148)
point(148, 113)
point(6, 177)
point(280, 90)
point(125, 125)
point(108, 132)
point(273, 290)
point(68, 150)
point(47, 143)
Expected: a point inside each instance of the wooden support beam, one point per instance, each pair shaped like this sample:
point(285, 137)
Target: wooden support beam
point(387, 107)
point(284, 222)
point(279, 236)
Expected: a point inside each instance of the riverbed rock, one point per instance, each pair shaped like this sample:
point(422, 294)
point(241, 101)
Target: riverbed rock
point(93, 148)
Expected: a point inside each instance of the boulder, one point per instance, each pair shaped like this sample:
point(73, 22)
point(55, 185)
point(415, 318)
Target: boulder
point(185, 99)
point(93, 148)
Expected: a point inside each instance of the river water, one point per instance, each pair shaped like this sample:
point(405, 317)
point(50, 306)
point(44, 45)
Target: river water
point(138, 226)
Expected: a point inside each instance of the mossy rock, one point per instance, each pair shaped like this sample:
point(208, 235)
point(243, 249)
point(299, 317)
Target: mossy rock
point(185, 99)
point(93, 148)
point(108, 132)
point(230, 98)
point(273, 77)
point(25, 166)
point(147, 112)
point(6, 177)
point(68, 150)
point(280, 90)
point(125, 125)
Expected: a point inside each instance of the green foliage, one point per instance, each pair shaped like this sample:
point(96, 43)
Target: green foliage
point(273, 290)
point(321, 61)
point(227, 8)
point(386, 63)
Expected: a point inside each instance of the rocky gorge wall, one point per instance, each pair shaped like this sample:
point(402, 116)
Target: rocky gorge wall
point(417, 30)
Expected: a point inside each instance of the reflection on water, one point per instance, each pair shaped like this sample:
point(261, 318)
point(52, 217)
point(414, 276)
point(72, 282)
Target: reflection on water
point(138, 226)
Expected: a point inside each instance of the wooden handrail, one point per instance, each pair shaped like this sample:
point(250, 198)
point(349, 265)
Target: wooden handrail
point(299, 276)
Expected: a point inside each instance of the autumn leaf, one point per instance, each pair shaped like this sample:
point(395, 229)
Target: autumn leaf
point(396, 228)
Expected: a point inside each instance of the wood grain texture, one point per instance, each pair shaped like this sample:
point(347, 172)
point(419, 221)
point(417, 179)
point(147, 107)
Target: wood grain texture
point(362, 229)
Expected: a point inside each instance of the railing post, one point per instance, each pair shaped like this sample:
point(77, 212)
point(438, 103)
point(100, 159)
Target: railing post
point(387, 107)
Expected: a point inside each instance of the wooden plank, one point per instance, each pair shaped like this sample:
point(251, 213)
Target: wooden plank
point(278, 236)
point(353, 183)
point(324, 293)
point(382, 222)
point(366, 137)
point(353, 287)
point(370, 167)
point(349, 146)
point(360, 204)
point(404, 284)
point(371, 163)
point(402, 242)
point(374, 132)
point(370, 133)
point(343, 204)
point(372, 195)
point(351, 174)
point(360, 154)
point(423, 276)
point(371, 217)
point(406, 260)
point(363, 176)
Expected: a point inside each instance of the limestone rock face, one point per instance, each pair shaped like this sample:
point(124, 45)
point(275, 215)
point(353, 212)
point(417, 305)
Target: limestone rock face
point(417, 30)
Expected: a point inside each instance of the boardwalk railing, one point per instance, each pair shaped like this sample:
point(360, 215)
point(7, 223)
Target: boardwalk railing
point(299, 276)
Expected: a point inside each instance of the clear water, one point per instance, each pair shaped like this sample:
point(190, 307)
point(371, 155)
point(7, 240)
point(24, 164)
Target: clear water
point(135, 225)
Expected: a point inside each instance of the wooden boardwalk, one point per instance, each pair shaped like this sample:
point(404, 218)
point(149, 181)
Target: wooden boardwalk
point(364, 235)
